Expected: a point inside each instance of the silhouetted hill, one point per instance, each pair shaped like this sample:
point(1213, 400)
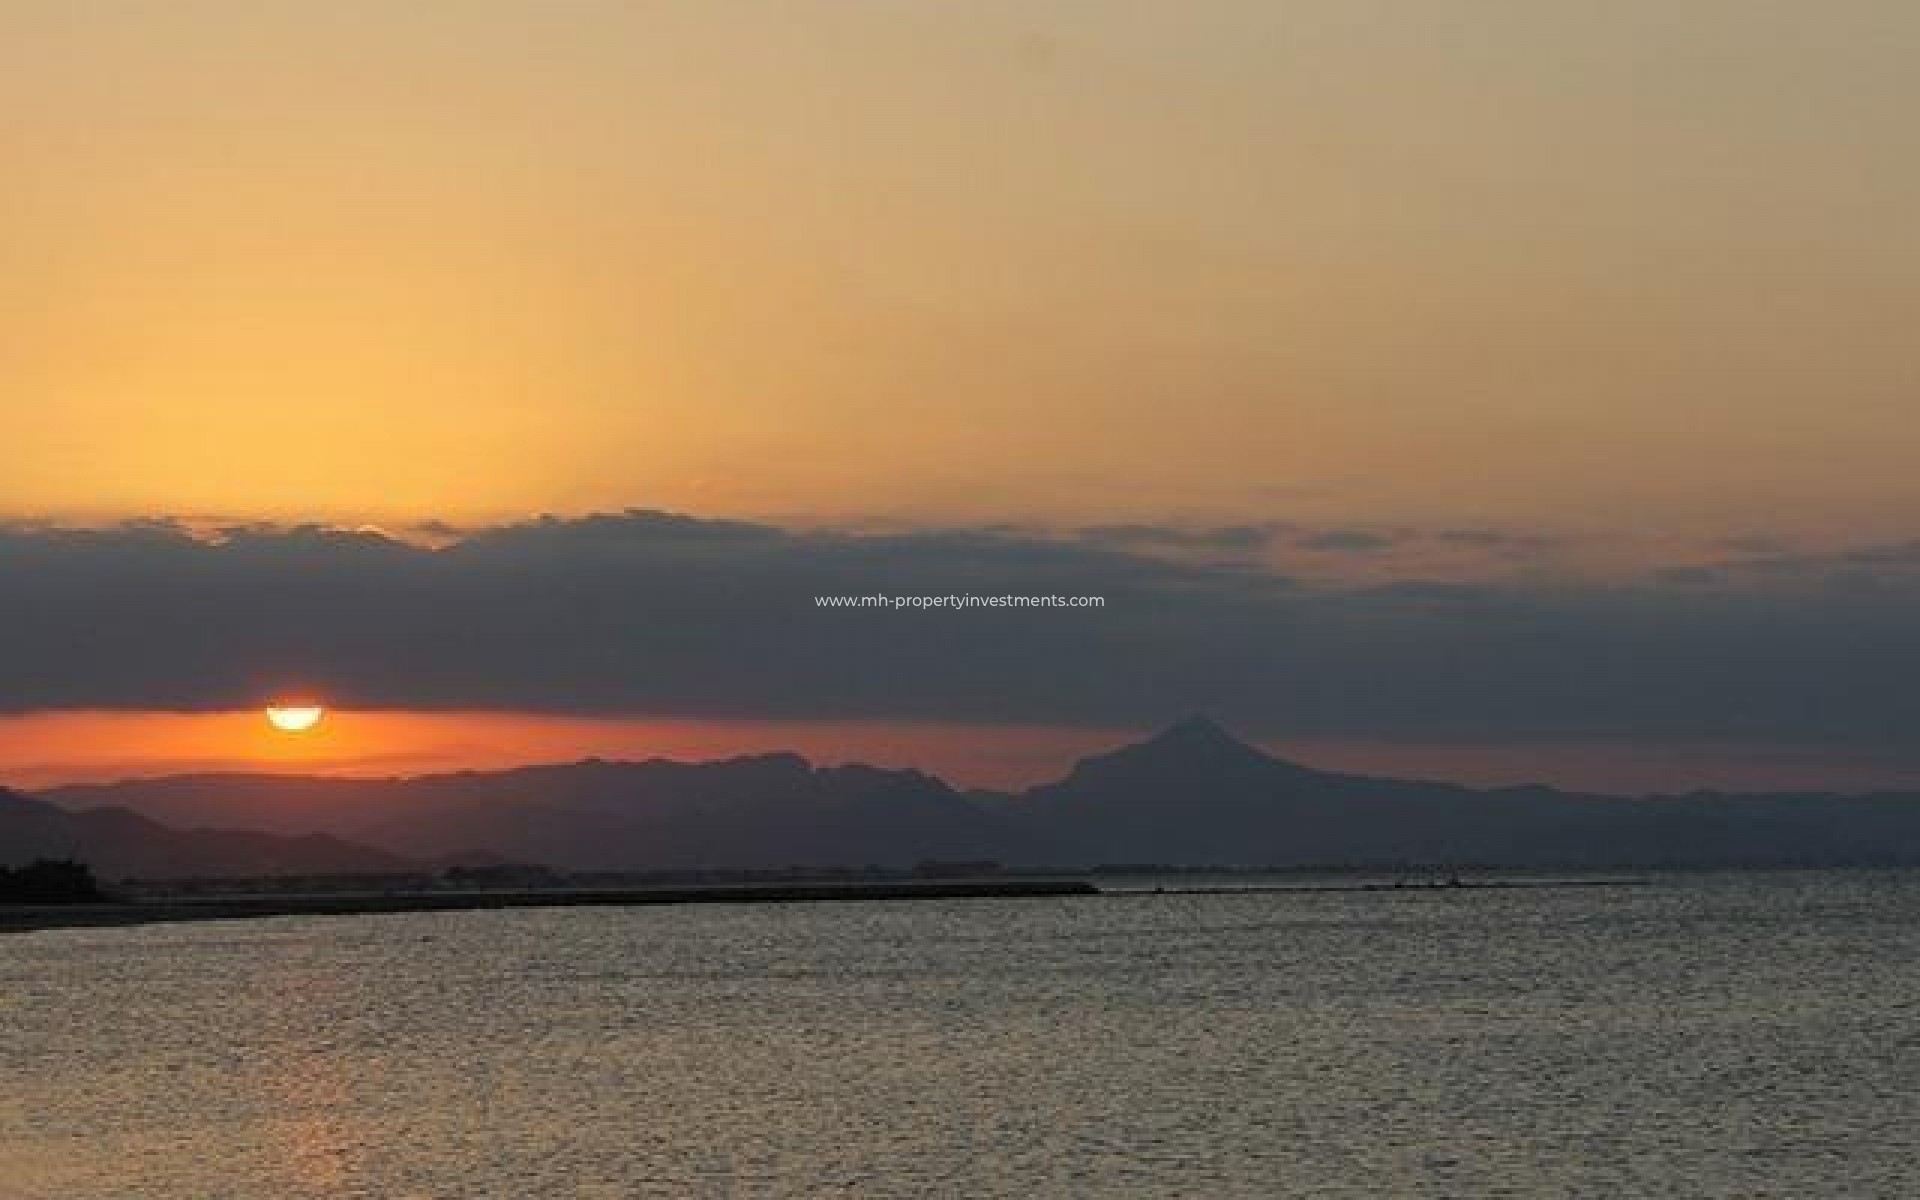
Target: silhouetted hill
point(1192, 794)
point(772, 810)
point(120, 844)
point(1196, 795)
point(763, 810)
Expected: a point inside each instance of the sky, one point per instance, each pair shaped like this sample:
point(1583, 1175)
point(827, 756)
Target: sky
point(1494, 389)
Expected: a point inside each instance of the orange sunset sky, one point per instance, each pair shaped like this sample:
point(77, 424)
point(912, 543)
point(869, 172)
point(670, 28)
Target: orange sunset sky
point(1630, 286)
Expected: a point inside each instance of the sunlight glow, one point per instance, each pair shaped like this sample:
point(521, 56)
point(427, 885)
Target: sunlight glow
point(295, 718)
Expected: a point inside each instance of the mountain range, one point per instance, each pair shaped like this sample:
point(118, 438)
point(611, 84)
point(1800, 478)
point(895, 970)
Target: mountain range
point(120, 843)
point(1191, 795)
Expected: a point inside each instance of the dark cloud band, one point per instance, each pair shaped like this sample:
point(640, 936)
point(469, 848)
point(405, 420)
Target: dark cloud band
point(652, 613)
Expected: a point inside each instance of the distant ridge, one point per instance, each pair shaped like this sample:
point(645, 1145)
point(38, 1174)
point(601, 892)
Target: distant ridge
point(1192, 794)
point(119, 843)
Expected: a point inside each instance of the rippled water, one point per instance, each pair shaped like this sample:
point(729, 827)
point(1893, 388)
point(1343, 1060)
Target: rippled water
point(1738, 1035)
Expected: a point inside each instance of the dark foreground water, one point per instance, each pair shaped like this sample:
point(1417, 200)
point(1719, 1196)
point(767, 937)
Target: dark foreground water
point(1734, 1035)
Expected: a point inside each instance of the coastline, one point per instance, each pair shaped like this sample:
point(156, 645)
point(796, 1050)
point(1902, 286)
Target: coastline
point(27, 918)
point(22, 918)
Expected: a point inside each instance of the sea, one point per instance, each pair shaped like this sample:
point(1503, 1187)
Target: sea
point(1742, 1034)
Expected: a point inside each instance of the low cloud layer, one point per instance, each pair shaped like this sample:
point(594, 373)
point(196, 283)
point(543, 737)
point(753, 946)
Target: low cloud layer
point(651, 613)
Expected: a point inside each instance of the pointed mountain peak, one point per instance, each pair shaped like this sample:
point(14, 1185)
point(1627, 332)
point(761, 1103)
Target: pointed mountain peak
point(1194, 748)
point(1197, 731)
point(1196, 739)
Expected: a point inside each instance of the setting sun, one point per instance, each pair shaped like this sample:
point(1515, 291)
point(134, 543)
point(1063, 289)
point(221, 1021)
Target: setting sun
point(295, 718)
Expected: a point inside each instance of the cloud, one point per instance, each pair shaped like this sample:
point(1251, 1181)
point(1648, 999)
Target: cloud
point(1230, 541)
point(1500, 541)
point(663, 614)
point(1329, 552)
point(1347, 541)
point(1770, 562)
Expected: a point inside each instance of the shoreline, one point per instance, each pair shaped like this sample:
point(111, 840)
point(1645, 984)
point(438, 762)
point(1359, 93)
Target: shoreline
point(252, 906)
point(1455, 885)
point(112, 914)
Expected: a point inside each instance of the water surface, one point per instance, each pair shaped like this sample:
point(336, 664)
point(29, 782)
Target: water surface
point(1732, 1035)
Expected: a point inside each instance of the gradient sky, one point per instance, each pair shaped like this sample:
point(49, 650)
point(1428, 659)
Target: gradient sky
point(1616, 288)
point(1496, 261)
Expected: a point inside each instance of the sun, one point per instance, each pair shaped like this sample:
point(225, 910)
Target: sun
point(295, 718)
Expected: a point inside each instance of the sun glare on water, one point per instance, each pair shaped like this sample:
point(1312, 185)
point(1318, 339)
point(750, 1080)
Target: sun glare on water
point(295, 718)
